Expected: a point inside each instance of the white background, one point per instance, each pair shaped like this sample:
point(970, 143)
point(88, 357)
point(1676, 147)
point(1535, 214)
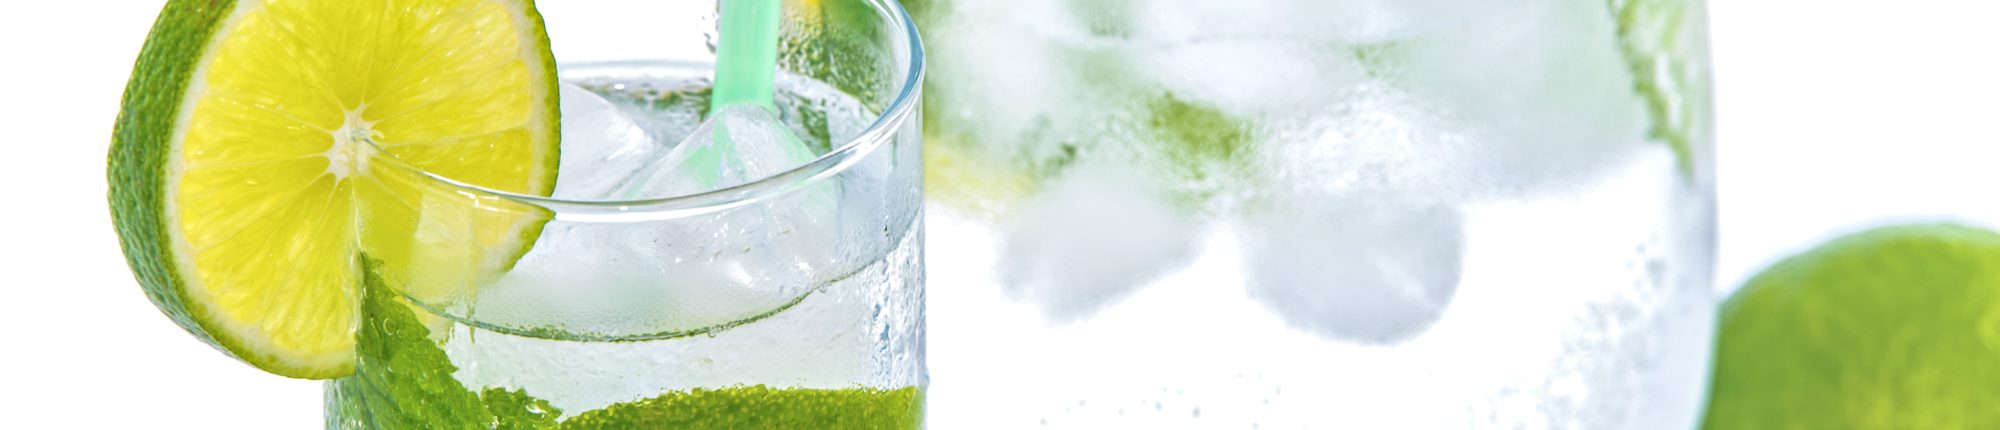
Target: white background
point(1833, 115)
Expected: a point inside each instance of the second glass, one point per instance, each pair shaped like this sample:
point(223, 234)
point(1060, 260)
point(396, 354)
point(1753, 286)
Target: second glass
point(1288, 214)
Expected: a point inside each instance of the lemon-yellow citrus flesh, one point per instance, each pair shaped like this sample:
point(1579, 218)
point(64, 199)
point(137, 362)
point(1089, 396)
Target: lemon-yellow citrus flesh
point(251, 167)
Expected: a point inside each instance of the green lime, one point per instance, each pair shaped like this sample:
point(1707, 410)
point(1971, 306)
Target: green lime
point(239, 174)
point(1897, 327)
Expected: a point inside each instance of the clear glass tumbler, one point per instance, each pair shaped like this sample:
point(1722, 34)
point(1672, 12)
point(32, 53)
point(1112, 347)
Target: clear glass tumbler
point(1319, 213)
point(765, 288)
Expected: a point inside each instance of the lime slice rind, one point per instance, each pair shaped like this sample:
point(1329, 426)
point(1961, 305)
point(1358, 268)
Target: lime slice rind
point(138, 211)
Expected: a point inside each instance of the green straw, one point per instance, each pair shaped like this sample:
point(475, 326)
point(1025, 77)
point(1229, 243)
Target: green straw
point(746, 62)
point(746, 54)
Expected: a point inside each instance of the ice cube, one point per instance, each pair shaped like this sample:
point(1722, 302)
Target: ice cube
point(1372, 269)
point(1006, 62)
point(736, 145)
point(1552, 100)
point(1096, 234)
point(1359, 243)
point(1253, 77)
point(1376, 139)
point(1340, 21)
point(686, 273)
point(601, 145)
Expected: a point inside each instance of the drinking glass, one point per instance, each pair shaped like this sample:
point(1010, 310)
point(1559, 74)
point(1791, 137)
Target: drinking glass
point(779, 285)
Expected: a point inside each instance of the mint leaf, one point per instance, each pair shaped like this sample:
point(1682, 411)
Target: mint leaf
point(402, 380)
point(516, 410)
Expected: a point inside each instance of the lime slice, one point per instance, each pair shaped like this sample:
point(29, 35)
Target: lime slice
point(244, 169)
point(1897, 327)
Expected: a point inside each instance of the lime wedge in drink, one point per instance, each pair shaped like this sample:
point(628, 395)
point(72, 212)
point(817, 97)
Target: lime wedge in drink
point(240, 174)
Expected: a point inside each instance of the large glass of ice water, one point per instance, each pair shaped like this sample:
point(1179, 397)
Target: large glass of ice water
point(695, 268)
point(1319, 213)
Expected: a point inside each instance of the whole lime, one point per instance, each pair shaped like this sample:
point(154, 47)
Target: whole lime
point(1896, 327)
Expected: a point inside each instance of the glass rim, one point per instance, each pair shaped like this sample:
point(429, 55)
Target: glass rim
point(900, 110)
